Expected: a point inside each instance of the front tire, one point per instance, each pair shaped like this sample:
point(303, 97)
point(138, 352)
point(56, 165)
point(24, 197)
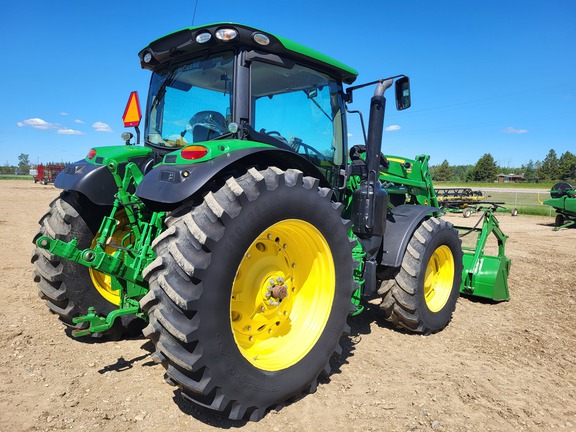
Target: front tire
point(250, 292)
point(422, 296)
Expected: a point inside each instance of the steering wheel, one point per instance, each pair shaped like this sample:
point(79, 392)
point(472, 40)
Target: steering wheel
point(308, 150)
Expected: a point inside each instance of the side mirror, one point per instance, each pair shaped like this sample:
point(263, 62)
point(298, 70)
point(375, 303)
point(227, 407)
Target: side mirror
point(403, 100)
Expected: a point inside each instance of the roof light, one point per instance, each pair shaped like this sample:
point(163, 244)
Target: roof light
point(147, 57)
point(226, 34)
point(91, 154)
point(203, 37)
point(194, 152)
point(261, 39)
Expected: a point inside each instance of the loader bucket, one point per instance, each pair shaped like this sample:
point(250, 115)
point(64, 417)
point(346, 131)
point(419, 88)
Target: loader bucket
point(485, 275)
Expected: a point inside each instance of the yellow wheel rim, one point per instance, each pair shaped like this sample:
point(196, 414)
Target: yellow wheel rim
point(282, 295)
point(439, 278)
point(103, 282)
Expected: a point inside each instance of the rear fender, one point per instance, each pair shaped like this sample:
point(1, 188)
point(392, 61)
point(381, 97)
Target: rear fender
point(93, 178)
point(167, 186)
point(401, 223)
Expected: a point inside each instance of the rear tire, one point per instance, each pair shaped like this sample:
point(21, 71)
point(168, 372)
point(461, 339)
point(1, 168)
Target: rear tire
point(67, 287)
point(223, 326)
point(423, 294)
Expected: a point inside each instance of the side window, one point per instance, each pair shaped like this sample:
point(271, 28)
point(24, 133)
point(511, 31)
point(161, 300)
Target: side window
point(301, 107)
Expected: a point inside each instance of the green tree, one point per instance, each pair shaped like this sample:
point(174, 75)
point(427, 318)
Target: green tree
point(24, 163)
point(529, 171)
point(461, 173)
point(567, 166)
point(443, 172)
point(549, 169)
point(485, 169)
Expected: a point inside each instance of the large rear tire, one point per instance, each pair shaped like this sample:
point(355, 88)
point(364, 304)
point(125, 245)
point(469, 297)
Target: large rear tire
point(250, 292)
point(422, 296)
point(69, 288)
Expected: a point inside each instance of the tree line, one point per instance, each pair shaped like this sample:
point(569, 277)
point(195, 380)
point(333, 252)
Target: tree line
point(552, 168)
point(24, 165)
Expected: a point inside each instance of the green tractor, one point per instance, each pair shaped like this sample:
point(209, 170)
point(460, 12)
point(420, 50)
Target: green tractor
point(244, 232)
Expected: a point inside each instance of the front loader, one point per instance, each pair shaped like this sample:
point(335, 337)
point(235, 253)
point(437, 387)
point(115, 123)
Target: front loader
point(245, 231)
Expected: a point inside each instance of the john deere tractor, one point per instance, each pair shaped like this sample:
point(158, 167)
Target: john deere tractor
point(245, 230)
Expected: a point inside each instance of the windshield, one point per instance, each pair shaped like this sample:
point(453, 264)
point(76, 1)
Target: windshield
point(303, 108)
point(190, 103)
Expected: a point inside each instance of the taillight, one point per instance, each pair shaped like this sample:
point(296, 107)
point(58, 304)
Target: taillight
point(91, 154)
point(194, 152)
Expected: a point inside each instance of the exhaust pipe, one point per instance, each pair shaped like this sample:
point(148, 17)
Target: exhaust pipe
point(370, 200)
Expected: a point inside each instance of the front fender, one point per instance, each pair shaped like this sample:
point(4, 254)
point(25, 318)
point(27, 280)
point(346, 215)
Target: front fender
point(401, 223)
point(166, 186)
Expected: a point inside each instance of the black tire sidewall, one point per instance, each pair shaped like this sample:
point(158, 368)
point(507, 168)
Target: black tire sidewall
point(252, 385)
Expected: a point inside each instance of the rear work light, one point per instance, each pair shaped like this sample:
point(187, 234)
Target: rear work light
point(261, 39)
point(91, 154)
point(226, 34)
point(194, 152)
point(203, 37)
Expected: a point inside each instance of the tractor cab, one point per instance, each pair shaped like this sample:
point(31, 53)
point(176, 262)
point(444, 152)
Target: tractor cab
point(223, 82)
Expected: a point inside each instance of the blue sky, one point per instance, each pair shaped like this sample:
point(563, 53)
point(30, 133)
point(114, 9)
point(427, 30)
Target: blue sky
point(494, 77)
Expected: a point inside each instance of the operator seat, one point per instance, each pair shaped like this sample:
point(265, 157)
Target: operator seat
point(207, 125)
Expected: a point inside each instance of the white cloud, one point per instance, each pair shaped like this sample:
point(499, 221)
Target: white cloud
point(392, 128)
point(101, 127)
point(78, 121)
point(68, 131)
point(63, 113)
point(350, 135)
point(512, 130)
point(37, 123)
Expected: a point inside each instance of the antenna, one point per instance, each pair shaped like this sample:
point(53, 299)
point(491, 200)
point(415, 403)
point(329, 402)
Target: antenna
point(194, 16)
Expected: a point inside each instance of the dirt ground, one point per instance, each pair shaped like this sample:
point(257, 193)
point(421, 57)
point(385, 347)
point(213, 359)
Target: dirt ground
point(497, 367)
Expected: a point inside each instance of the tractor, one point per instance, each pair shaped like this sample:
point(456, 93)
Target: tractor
point(245, 231)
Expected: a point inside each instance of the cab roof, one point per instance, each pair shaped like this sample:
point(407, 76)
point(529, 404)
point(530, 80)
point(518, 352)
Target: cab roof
point(191, 41)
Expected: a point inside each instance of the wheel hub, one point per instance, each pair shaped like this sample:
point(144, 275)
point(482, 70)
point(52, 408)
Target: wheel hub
point(276, 289)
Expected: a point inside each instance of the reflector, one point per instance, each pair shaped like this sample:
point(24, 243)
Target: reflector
point(194, 152)
point(132, 114)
